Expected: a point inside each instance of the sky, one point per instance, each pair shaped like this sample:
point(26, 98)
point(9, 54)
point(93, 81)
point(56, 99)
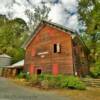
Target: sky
point(62, 12)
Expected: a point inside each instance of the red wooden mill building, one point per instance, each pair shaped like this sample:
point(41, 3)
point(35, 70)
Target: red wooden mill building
point(55, 49)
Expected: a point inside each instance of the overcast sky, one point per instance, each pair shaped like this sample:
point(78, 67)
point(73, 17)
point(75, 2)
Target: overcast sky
point(57, 14)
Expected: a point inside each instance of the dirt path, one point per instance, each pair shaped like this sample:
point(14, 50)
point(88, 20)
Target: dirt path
point(11, 91)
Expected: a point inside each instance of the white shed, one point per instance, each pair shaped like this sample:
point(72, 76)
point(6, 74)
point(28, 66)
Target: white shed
point(18, 64)
point(13, 70)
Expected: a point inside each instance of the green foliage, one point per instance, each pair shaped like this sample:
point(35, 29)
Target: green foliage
point(60, 81)
point(93, 43)
point(12, 35)
point(45, 77)
point(50, 81)
point(16, 53)
point(95, 71)
point(21, 75)
point(3, 19)
point(89, 15)
point(24, 75)
point(27, 76)
point(75, 83)
point(33, 78)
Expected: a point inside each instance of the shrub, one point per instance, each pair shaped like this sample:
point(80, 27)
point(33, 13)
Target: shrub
point(41, 77)
point(27, 76)
point(53, 83)
point(75, 83)
point(80, 85)
point(24, 75)
point(21, 75)
point(59, 81)
point(95, 71)
point(34, 80)
point(45, 84)
point(62, 81)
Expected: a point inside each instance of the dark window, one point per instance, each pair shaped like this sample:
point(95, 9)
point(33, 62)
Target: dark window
point(39, 71)
point(57, 48)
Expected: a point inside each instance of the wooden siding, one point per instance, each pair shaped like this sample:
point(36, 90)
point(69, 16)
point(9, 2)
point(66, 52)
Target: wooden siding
point(80, 56)
point(44, 42)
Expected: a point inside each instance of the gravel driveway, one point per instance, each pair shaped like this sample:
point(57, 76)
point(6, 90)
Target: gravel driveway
point(11, 91)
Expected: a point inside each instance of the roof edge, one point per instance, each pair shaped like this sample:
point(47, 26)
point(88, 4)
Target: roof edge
point(63, 28)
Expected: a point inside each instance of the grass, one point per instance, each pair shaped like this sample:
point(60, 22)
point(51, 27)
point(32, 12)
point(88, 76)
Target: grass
point(91, 93)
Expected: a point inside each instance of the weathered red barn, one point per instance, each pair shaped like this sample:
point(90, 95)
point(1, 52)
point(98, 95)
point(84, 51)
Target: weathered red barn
point(55, 49)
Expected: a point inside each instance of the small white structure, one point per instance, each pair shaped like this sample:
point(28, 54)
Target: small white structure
point(18, 64)
point(13, 70)
point(5, 60)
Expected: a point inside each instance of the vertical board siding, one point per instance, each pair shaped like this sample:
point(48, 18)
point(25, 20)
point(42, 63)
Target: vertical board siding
point(31, 69)
point(60, 62)
point(46, 38)
point(55, 69)
point(33, 52)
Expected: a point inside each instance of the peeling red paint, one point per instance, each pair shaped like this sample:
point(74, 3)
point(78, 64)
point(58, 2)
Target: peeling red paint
point(52, 62)
point(31, 69)
point(55, 69)
point(33, 52)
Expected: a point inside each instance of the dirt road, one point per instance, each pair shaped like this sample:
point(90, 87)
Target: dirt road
point(11, 91)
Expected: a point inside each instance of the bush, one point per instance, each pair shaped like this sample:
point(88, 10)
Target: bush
point(95, 71)
point(24, 75)
point(21, 75)
point(45, 77)
point(27, 76)
point(61, 81)
point(75, 83)
point(34, 80)
point(51, 81)
point(45, 84)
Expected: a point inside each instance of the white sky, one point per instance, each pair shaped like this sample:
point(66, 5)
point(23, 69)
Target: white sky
point(57, 14)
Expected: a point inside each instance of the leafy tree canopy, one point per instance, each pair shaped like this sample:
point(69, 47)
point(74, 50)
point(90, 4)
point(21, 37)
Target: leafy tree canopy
point(89, 16)
point(12, 35)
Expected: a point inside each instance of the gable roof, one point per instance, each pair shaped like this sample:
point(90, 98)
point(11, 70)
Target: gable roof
point(43, 22)
point(60, 27)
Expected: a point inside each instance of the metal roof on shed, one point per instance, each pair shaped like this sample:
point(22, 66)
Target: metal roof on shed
point(18, 64)
point(4, 55)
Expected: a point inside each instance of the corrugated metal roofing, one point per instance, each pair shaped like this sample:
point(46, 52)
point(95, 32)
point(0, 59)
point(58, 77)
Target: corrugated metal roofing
point(5, 55)
point(20, 63)
point(16, 65)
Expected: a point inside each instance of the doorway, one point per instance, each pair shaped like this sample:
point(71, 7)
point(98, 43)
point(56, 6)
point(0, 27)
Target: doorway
point(39, 71)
